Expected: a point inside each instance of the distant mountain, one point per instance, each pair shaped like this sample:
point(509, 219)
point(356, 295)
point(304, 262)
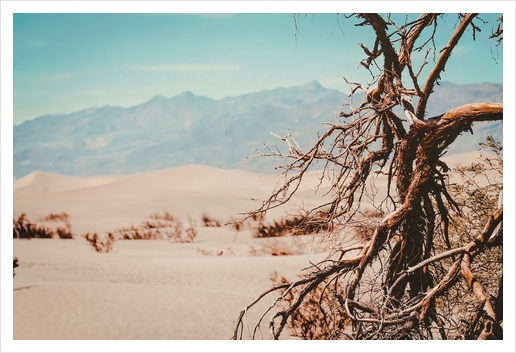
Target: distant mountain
point(190, 129)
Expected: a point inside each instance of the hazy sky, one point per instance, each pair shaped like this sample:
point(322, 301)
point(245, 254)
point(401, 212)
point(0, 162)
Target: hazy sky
point(68, 62)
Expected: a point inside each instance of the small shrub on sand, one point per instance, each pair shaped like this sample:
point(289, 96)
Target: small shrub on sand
point(161, 226)
point(364, 232)
point(100, 245)
point(365, 224)
point(209, 221)
point(191, 231)
point(62, 233)
point(135, 233)
point(276, 247)
point(321, 315)
point(24, 229)
point(236, 225)
point(297, 225)
point(15, 264)
point(222, 252)
point(373, 213)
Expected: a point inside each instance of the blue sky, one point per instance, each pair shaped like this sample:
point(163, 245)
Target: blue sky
point(68, 62)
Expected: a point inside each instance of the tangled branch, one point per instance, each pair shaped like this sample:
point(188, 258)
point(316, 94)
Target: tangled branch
point(394, 285)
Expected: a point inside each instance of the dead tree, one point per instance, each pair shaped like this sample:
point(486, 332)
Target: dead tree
point(396, 284)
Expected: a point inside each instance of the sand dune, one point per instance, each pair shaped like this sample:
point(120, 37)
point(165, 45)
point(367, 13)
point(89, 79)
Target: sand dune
point(109, 202)
point(144, 289)
point(150, 289)
point(40, 182)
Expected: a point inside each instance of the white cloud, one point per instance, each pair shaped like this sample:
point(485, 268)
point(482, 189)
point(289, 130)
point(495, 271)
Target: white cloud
point(190, 67)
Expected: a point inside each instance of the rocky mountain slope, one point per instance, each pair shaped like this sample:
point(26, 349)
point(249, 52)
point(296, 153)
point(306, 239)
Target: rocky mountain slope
point(190, 129)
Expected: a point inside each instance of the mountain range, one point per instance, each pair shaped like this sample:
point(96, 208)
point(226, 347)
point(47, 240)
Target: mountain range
point(188, 129)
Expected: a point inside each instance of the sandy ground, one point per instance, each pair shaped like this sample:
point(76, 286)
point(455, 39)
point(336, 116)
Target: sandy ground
point(144, 289)
point(151, 289)
point(147, 289)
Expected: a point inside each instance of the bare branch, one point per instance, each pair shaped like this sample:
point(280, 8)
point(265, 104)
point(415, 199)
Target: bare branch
point(415, 253)
point(441, 63)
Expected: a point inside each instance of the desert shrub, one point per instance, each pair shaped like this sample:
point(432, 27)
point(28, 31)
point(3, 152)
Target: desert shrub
point(223, 252)
point(54, 217)
point(298, 225)
point(24, 229)
point(62, 233)
point(166, 216)
point(363, 231)
point(15, 264)
point(209, 221)
point(237, 225)
point(257, 216)
point(365, 223)
point(160, 226)
point(191, 231)
point(478, 194)
point(134, 233)
point(372, 213)
point(321, 315)
point(274, 229)
point(276, 247)
point(100, 245)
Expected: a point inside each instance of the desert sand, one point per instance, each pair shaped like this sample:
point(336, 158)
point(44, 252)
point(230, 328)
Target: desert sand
point(145, 289)
point(153, 289)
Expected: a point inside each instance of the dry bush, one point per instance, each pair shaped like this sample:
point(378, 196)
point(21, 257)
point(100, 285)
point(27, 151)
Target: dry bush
point(301, 224)
point(161, 226)
point(132, 232)
point(479, 194)
point(253, 221)
point(191, 230)
point(321, 316)
point(365, 224)
point(100, 245)
point(364, 232)
point(277, 247)
point(373, 213)
point(209, 221)
point(237, 225)
point(15, 264)
point(24, 229)
point(62, 233)
point(158, 227)
point(223, 252)
point(166, 216)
